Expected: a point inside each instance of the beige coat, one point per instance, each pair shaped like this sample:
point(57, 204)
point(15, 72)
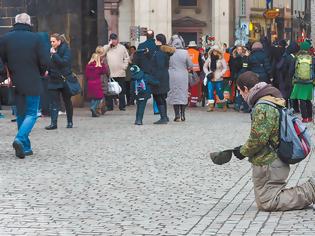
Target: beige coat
point(118, 59)
point(221, 67)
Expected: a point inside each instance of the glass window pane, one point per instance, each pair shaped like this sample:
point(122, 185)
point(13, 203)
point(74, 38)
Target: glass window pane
point(188, 2)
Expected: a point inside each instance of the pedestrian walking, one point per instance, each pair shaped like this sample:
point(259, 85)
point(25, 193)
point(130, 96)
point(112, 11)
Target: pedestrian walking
point(161, 59)
point(129, 95)
point(141, 88)
point(118, 59)
point(180, 63)
point(93, 72)
point(269, 173)
point(214, 69)
point(24, 54)
point(303, 82)
point(59, 71)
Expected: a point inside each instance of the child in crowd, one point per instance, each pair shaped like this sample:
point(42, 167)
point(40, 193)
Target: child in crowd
point(141, 87)
point(93, 72)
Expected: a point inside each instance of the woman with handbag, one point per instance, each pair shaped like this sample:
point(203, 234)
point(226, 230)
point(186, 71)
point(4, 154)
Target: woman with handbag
point(180, 63)
point(59, 71)
point(93, 72)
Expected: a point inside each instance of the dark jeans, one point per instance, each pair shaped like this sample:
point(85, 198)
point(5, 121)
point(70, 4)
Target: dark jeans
point(306, 109)
point(121, 96)
point(129, 94)
point(55, 102)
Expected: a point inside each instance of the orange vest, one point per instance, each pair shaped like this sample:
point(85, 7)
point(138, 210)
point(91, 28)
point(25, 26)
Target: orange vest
point(194, 56)
point(227, 57)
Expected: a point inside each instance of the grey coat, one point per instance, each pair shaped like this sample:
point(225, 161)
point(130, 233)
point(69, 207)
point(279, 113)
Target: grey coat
point(179, 63)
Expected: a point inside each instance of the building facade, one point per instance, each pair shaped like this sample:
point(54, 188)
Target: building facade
point(193, 19)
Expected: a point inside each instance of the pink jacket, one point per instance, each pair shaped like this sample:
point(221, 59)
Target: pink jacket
point(94, 79)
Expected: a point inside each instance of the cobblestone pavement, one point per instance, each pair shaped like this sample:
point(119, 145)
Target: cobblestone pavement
point(107, 176)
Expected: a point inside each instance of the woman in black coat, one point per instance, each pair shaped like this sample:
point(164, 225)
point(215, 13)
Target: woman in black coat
point(161, 59)
point(259, 63)
point(59, 69)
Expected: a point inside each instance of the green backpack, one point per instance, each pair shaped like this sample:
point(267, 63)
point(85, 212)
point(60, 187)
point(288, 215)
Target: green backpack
point(303, 67)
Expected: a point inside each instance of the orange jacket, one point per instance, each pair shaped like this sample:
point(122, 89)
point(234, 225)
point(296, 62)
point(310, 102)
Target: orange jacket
point(194, 55)
point(227, 57)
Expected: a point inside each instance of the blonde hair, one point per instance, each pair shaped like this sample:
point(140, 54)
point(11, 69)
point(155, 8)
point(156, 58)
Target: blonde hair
point(96, 58)
point(100, 50)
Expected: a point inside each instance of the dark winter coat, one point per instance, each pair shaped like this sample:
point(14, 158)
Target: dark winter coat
point(143, 58)
point(259, 63)
point(238, 65)
point(286, 70)
point(24, 53)
point(148, 80)
point(160, 72)
point(2, 72)
point(60, 66)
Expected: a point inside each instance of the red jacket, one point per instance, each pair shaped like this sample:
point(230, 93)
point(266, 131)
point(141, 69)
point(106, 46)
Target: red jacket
point(94, 79)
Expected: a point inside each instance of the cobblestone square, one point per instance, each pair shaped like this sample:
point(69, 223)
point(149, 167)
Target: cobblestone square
point(107, 176)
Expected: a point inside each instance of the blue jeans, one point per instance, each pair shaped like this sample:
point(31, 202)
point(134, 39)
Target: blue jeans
point(95, 103)
point(218, 87)
point(27, 121)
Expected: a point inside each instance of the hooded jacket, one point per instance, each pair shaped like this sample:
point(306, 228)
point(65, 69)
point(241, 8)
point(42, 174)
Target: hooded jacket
point(221, 66)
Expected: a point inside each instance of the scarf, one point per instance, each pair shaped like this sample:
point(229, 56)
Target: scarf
point(213, 63)
point(260, 90)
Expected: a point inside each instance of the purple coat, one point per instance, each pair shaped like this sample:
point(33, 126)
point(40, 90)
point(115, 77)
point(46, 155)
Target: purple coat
point(94, 80)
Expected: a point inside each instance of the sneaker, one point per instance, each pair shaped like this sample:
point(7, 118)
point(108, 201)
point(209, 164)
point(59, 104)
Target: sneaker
point(19, 149)
point(61, 113)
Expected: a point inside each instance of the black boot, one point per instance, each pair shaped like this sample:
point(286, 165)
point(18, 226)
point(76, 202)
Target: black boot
point(177, 115)
point(182, 112)
point(163, 119)
point(140, 111)
point(69, 125)
point(165, 105)
point(54, 118)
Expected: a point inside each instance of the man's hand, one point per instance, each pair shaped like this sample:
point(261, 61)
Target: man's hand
point(237, 153)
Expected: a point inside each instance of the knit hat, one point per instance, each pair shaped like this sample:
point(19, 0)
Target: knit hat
point(257, 45)
point(305, 46)
point(134, 70)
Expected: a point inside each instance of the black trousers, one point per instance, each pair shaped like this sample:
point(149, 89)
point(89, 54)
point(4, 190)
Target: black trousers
point(129, 95)
point(121, 96)
point(160, 98)
point(306, 109)
point(55, 103)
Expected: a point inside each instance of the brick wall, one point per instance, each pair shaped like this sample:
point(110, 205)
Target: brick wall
point(8, 10)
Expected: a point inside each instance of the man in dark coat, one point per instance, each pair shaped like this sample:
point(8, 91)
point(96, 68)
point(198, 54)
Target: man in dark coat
point(259, 63)
point(145, 52)
point(26, 58)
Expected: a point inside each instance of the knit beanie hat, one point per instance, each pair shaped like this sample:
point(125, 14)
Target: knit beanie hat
point(305, 46)
point(134, 70)
point(257, 45)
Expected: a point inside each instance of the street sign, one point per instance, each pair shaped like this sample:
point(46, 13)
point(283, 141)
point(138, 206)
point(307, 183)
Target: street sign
point(272, 13)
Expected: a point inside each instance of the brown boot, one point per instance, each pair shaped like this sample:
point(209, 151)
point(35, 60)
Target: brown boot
point(211, 107)
point(225, 106)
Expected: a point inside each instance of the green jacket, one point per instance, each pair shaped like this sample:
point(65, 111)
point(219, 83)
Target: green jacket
point(264, 133)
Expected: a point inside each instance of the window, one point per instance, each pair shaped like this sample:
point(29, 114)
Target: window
point(189, 36)
point(188, 3)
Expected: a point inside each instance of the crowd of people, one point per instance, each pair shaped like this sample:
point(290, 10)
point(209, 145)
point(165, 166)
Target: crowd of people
point(240, 76)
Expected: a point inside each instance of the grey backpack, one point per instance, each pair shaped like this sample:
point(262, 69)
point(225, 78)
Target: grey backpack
point(295, 140)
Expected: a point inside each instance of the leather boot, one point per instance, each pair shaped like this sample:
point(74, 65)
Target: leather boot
point(140, 112)
point(182, 112)
point(211, 107)
point(163, 119)
point(54, 118)
point(177, 114)
point(224, 106)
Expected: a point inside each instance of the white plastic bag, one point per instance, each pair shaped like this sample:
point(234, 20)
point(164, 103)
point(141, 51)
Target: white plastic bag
point(113, 87)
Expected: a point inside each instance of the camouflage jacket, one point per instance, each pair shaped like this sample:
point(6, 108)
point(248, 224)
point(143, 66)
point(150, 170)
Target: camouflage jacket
point(264, 133)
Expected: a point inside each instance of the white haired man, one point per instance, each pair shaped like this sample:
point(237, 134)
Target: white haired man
point(26, 58)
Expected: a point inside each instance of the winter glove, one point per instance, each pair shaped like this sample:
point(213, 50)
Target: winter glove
point(237, 153)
